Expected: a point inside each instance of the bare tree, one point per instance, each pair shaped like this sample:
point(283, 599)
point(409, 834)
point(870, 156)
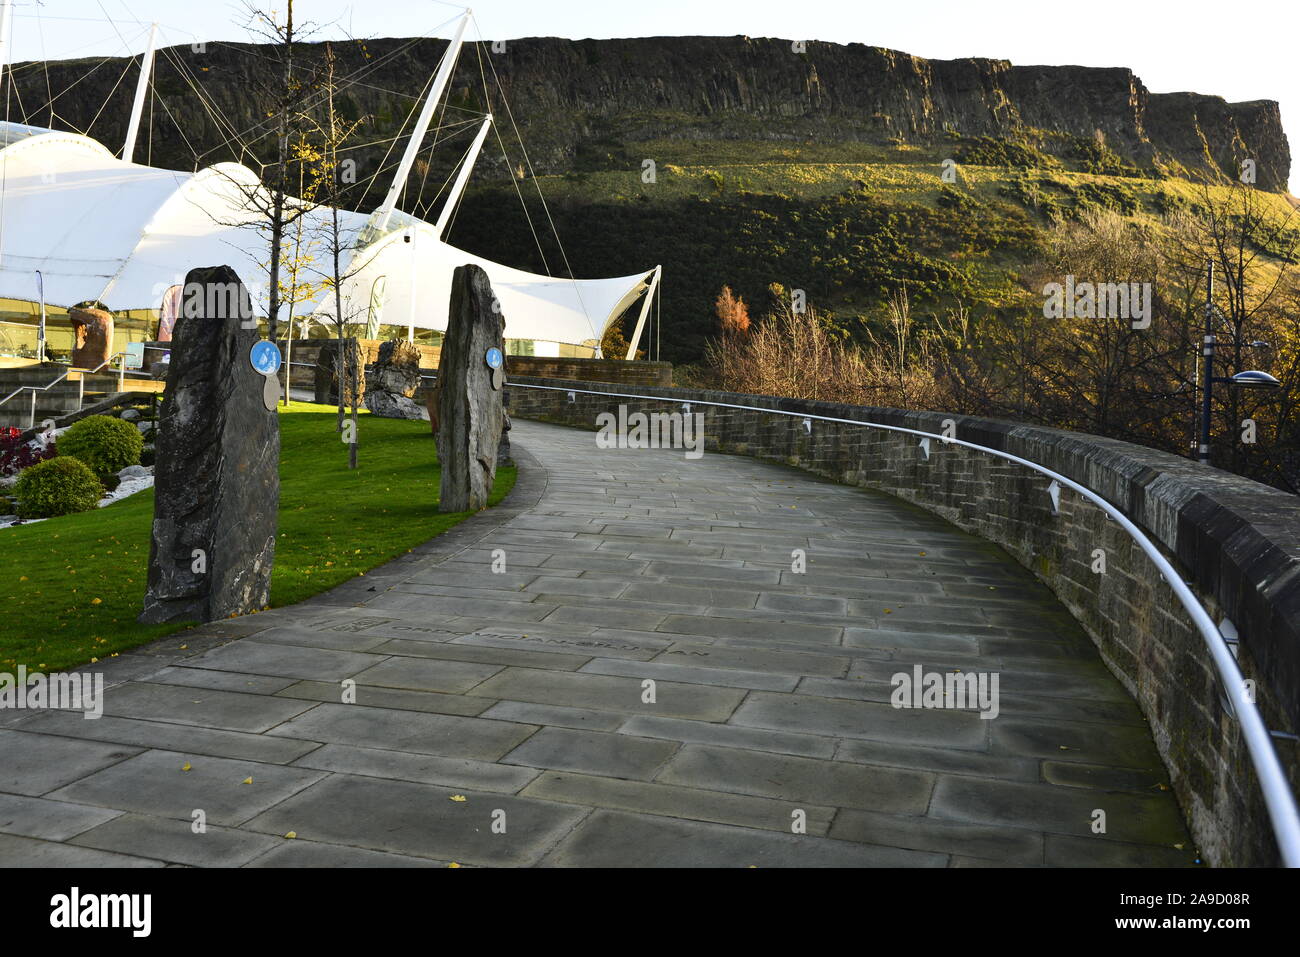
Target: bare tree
point(333, 179)
point(1253, 245)
point(265, 204)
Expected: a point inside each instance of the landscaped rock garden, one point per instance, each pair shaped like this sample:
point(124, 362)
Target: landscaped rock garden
point(94, 462)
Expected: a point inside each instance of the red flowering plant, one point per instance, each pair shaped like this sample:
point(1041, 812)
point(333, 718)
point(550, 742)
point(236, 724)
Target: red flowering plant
point(16, 454)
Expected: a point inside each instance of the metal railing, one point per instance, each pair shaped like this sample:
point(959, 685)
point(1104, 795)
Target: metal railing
point(1277, 794)
point(81, 384)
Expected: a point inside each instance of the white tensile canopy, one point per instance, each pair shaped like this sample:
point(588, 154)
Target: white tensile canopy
point(410, 272)
point(99, 228)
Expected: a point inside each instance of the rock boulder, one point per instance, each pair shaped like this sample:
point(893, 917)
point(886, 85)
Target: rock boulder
point(393, 380)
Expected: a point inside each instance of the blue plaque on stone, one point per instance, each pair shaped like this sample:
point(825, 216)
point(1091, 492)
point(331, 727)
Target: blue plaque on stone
point(265, 357)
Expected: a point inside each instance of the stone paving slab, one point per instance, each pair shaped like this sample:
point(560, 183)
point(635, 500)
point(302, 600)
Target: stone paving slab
point(1008, 845)
point(220, 680)
point(893, 790)
point(648, 683)
point(422, 820)
point(204, 707)
point(36, 764)
point(611, 693)
point(556, 716)
point(418, 768)
point(593, 752)
point(176, 841)
point(390, 698)
point(730, 736)
point(28, 852)
point(284, 661)
point(418, 732)
point(681, 671)
point(615, 839)
point(158, 782)
point(1133, 818)
point(49, 820)
point(457, 651)
point(864, 719)
point(161, 734)
point(667, 800)
point(296, 853)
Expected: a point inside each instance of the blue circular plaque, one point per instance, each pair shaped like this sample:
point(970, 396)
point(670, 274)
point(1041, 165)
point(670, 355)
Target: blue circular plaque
point(494, 358)
point(265, 357)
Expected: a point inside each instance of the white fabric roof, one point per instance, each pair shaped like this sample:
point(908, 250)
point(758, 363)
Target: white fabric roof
point(101, 228)
point(534, 307)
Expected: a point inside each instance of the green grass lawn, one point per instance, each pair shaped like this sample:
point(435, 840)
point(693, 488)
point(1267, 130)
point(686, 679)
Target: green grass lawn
point(74, 585)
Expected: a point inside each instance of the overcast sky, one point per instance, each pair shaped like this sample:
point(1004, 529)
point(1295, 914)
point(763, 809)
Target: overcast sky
point(1240, 51)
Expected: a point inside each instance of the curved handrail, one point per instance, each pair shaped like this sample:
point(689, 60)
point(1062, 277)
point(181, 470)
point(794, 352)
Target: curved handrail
point(1278, 798)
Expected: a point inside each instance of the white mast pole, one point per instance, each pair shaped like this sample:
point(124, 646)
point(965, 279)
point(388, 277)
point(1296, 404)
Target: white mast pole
point(415, 262)
point(645, 311)
point(6, 20)
point(458, 187)
point(137, 107)
point(440, 82)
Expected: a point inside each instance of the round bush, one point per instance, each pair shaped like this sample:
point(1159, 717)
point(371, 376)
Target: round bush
point(104, 443)
point(57, 486)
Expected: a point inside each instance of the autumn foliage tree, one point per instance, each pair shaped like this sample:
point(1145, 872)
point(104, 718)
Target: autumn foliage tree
point(733, 329)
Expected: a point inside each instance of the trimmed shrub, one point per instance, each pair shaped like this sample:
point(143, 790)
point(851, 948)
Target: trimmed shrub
point(57, 486)
point(104, 443)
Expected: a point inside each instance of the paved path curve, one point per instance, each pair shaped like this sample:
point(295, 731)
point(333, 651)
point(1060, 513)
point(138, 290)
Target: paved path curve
point(504, 718)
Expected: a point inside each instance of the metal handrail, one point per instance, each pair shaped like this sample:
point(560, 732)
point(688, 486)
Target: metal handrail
point(1280, 801)
point(121, 376)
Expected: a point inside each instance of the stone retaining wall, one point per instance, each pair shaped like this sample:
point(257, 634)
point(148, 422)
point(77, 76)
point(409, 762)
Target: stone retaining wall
point(1236, 543)
point(636, 372)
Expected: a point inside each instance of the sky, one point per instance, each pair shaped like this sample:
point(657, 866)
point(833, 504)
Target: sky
point(1240, 51)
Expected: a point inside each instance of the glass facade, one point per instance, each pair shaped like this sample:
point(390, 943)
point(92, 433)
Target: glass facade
point(20, 325)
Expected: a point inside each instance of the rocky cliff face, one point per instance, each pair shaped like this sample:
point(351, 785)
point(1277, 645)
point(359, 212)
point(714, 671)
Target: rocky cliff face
point(579, 100)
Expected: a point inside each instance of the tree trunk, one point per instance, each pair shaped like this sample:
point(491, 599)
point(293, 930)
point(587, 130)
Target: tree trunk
point(356, 423)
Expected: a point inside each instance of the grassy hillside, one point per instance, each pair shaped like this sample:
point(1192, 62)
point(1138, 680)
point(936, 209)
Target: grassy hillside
point(847, 223)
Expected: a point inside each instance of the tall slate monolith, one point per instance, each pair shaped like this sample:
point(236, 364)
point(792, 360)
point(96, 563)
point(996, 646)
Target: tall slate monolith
point(471, 412)
point(216, 474)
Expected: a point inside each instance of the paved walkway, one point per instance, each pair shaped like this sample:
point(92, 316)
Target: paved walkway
point(646, 683)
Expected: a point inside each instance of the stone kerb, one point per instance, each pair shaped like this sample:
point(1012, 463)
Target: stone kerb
point(1236, 542)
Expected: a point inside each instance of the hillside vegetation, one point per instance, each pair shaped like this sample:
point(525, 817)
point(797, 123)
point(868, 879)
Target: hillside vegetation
point(849, 224)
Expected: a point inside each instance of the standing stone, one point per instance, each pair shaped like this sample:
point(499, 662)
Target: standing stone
point(471, 412)
point(393, 380)
point(326, 385)
point(92, 331)
point(216, 474)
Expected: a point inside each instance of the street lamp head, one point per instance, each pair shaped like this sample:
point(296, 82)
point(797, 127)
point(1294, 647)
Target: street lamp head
point(1254, 379)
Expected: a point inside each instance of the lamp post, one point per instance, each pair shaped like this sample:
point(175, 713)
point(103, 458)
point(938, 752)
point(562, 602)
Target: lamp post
point(1251, 379)
point(40, 334)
